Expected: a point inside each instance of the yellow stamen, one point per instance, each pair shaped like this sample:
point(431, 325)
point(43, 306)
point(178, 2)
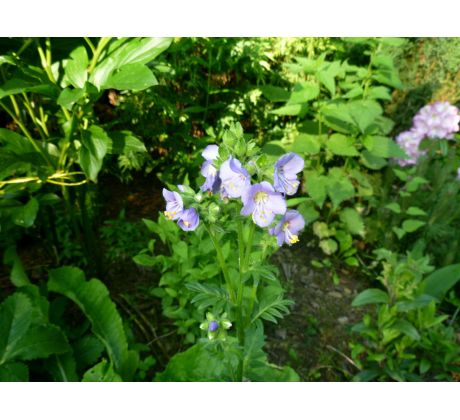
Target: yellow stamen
point(170, 214)
point(294, 239)
point(260, 196)
point(187, 224)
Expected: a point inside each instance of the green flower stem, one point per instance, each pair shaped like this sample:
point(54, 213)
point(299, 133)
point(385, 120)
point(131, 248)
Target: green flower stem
point(26, 133)
point(249, 246)
point(240, 327)
point(100, 47)
point(223, 265)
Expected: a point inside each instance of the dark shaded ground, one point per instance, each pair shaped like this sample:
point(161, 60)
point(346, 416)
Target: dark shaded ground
point(313, 338)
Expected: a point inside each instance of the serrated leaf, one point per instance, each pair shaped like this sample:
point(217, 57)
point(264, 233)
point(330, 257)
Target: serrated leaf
point(383, 147)
point(353, 221)
point(340, 145)
point(93, 299)
point(102, 372)
point(303, 92)
point(315, 185)
point(306, 143)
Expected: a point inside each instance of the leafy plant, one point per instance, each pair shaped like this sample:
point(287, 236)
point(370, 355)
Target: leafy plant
point(406, 339)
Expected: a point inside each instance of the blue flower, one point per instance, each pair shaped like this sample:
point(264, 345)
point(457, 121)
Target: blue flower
point(235, 179)
point(287, 229)
point(208, 170)
point(286, 169)
point(263, 203)
point(174, 204)
point(189, 219)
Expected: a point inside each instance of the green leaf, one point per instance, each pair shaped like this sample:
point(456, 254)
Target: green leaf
point(95, 143)
point(208, 295)
point(123, 142)
point(102, 372)
point(440, 281)
point(370, 296)
point(415, 183)
point(40, 342)
point(394, 207)
point(138, 50)
point(307, 143)
point(87, 350)
point(14, 372)
point(303, 92)
point(125, 51)
point(412, 225)
point(145, 260)
point(15, 86)
point(418, 302)
point(406, 328)
point(296, 109)
point(340, 145)
point(274, 93)
point(353, 221)
point(131, 77)
point(371, 161)
point(308, 211)
point(339, 187)
point(76, 67)
point(93, 299)
point(271, 305)
point(315, 185)
point(379, 92)
point(415, 211)
point(18, 274)
point(383, 147)
point(329, 246)
point(25, 215)
point(364, 113)
point(200, 364)
point(337, 117)
point(69, 97)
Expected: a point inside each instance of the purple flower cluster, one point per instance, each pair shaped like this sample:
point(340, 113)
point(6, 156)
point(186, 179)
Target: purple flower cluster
point(187, 219)
point(409, 141)
point(262, 201)
point(439, 120)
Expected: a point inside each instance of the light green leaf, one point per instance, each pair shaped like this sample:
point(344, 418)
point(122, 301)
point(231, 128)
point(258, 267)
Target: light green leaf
point(95, 143)
point(394, 207)
point(412, 225)
point(353, 221)
point(329, 246)
point(131, 77)
point(370, 296)
point(415, 211)
point(102, 372)
point(306, 143)
point(69, 97)
point(274, 93)
point(315, 185)
point(440, 281)
point(297, 109)
point(303, 92)
point(76, 67)
point(383, 147)
point(340, 145)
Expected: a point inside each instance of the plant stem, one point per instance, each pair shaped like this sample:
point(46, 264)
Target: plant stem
point(100, 47)
point(26, 133)
point(223, 265)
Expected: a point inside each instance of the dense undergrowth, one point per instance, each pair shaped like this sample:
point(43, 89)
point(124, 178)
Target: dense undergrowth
point(345, 150)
